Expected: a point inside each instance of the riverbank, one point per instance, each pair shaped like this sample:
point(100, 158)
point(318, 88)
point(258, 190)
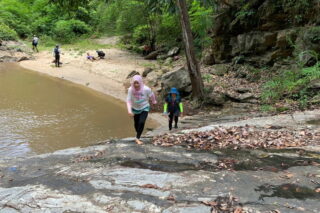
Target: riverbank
point(107, 76)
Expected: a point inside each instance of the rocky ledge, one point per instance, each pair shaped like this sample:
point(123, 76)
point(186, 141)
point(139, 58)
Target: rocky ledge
point(14, 51)
point(120, 176)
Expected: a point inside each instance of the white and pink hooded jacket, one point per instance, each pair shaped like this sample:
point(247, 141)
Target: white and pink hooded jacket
point(138, 100)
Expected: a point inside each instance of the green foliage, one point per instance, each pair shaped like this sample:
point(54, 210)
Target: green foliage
point(201, 19)
point(207, 77)
point(6, 33)
point(267, 108)
point(141, 34)
point(245, 12)
point(66, 31)
point(169, 30)
point(297, 8)
point(290, 83)
point(70, 5)
point(15, 14)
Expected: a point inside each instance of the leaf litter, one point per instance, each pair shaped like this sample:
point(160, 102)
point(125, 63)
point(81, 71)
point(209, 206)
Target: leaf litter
point(244, 137)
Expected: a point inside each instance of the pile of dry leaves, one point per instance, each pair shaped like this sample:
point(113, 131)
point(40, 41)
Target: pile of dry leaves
point(248, 137)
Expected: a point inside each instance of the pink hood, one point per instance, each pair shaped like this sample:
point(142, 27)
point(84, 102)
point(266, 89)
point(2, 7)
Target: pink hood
point(137, 78)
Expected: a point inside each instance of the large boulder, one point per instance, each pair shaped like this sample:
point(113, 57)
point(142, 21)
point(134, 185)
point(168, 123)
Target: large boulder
point(207, 57)
point(216, 99)
point(178, 78)
point(253, 43)
point(153, 78)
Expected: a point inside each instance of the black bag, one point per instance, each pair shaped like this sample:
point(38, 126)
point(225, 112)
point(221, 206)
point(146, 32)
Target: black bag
point(101, 54)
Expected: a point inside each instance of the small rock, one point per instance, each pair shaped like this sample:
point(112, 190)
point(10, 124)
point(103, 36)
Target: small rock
point(146, 71)
point(219, 69)
point(242, 90)
point(173, 52)
point(314, 84)
point(133, 73)
point(23, 58)
point(153, 55)
point(19, 50)
point(240, 97)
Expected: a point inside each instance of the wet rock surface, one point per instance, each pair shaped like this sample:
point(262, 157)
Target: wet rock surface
point(120, 176)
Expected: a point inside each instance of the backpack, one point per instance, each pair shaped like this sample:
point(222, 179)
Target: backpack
point(56, 51)
point(100, 53)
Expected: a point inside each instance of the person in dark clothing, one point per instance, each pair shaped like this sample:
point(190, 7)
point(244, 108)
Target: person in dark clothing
point(56, 53)
point(101, 54)
point(173, 107)
point(35, 41)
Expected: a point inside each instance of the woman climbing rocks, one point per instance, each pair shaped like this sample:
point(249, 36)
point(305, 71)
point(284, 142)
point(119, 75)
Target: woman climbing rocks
point(138, 104)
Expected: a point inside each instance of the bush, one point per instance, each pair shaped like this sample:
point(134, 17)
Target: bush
point(6, 33)
point(169, 30)
point(140, 34)
point(67, 30)
point(126, 21)
point(291, 84)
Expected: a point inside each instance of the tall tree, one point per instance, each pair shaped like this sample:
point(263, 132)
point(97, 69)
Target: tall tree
point(192, 63)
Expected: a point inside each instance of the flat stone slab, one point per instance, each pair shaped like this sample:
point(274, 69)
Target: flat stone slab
point(120, 176)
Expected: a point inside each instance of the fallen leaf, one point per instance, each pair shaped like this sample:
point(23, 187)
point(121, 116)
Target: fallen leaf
point(150, 186)
point(210, 203)
point(287, 176)
point(238, 210)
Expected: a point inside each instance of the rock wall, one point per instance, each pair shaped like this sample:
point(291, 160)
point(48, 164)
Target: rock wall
point(261, 32)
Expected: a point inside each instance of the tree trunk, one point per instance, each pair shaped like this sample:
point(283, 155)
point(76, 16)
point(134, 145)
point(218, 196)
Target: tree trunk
point(193, 66)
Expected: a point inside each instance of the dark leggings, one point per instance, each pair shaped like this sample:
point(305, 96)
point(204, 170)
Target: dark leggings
point(176, 118)
point(139, 121)
point(57, 61)
point(34, 47)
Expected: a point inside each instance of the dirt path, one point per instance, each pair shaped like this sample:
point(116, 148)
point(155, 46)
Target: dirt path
point(107, 75)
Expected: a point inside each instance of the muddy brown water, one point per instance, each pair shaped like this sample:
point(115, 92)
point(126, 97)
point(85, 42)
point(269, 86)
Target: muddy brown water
point(40, 114)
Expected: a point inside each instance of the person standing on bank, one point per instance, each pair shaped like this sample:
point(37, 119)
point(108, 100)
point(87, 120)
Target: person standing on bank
point(35, 41)
point(173, 107)
point(138, 104)
point(56, 53)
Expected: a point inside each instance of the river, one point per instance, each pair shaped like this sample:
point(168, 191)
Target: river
point(40, 114)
